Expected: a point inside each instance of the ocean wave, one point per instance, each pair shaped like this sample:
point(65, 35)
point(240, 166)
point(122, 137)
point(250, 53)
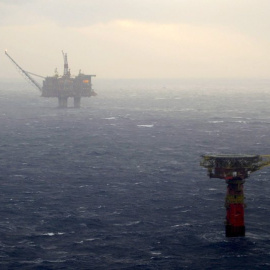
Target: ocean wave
point(146, 126)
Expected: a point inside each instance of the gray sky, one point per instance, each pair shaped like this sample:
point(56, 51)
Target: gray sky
point(138, 38)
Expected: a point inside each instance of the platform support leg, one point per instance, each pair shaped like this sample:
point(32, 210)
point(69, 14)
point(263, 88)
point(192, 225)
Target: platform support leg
point(62, 102)
point(234, 203)
point(77, 102)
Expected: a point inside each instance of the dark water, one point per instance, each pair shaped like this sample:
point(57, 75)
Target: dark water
point(117, 184)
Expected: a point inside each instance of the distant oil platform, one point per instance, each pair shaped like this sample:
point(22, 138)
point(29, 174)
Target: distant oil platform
point(61, 87)
point(234, 169)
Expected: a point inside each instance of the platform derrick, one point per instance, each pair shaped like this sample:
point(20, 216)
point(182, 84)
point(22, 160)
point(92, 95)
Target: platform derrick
point(234, 169)
point(62, 87)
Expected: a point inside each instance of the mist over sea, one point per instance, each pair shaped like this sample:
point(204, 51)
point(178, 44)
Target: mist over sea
point(117, 184)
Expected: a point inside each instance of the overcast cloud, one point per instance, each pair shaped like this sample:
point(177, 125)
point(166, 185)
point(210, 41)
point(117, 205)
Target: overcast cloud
point(139, 38)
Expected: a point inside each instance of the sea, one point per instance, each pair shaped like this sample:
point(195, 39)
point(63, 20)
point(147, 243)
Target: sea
point(117, 184)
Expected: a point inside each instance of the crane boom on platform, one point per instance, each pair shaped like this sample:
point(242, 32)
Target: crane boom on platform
point(35, 74)
point(24, 73)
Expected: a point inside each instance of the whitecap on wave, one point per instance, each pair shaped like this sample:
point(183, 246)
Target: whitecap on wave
point(128, 223)
point(216, 122)
point(240, 122)
point(52, 234)
point(109, 118)
point(181, 225)
point(147, 126)
point(214, 237)
point(156, 253)
point(259, 236)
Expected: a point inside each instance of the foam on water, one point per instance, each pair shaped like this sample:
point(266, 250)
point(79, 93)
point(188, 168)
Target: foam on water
point(146, 126)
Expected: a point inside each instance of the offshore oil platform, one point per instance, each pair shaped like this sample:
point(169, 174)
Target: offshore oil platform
point(234, 169)
point(61, 87)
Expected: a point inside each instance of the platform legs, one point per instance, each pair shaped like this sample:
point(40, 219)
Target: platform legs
point(77, 102)
point(62, 102)
point(234, 203)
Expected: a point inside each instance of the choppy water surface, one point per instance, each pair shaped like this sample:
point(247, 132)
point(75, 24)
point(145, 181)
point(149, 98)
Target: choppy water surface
point(117, 184)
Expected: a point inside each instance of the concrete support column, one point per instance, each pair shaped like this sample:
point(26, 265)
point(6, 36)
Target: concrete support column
point(77, 102)
point(62, 102)
point(234, 203)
